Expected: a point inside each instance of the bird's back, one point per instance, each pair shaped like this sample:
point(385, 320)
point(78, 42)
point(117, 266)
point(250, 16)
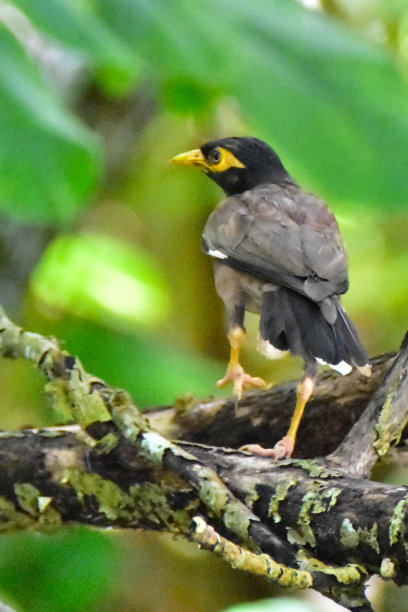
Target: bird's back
point(283, 235)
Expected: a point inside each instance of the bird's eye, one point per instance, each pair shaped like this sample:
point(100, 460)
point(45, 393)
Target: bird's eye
point(215, 156)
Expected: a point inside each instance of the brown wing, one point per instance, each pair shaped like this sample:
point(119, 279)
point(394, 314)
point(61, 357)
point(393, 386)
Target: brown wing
point(283, 236)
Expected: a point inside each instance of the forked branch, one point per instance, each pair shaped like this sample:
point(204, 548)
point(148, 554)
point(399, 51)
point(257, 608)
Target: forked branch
point(300, 522)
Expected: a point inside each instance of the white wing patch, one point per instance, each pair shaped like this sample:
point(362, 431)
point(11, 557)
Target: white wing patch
point(216, 253)
point(269, 351)
point(342, 367)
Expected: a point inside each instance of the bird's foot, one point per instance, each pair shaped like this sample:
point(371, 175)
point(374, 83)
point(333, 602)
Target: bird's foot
point(282, 449)
point(241, 380)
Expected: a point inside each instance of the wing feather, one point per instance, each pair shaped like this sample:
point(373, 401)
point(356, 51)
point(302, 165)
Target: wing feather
point(281, 235)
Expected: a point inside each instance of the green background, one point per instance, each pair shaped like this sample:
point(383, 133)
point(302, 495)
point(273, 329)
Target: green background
point(100, 237)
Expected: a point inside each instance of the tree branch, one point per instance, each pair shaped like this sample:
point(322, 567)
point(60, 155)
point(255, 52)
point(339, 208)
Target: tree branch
point(381, 423)
point(263, 416)
point(300, 522)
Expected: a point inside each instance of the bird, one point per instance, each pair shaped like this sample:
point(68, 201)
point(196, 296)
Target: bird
point(277, 252)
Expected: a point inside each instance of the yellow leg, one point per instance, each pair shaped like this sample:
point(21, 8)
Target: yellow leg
point(235, 372)
point(304, 393)
point(236, 338)
point(284, 448)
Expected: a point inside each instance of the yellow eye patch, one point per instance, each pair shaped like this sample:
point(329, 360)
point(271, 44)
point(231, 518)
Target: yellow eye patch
point(196, 158)
point(227, 161)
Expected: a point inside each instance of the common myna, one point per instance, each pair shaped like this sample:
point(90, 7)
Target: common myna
point(277, 252)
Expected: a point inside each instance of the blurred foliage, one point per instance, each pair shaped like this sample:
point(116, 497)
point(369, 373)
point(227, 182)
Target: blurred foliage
point(66, 572)
point(100, 239)
point(64, 280)
point(42, 146)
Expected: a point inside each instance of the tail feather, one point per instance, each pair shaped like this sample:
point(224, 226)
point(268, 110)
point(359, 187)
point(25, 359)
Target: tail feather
point(357, 352)
point(291, 321)
point(273, 319)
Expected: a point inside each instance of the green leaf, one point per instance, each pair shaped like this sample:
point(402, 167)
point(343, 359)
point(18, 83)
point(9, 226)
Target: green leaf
point(77, 25)
point(49, 162)
point(75, 569)
point(102, 280)
point(186, 95)
point(185, 39)
point(335, 106)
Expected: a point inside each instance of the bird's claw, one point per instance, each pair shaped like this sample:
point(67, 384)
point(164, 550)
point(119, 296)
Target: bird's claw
point(241, 381)
point(282, 449)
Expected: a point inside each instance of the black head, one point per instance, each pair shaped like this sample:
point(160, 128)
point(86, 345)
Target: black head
point(237, 163)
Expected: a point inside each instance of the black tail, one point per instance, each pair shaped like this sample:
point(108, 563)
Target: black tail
point(290, 321)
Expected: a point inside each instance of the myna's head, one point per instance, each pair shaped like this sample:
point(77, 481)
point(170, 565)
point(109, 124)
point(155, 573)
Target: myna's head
point(237, 163)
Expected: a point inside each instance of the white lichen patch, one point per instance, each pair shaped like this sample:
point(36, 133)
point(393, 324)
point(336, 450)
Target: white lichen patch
point(397, 526)
point(308, 500)
point(58, 460)
point(43, 502)
point(294, 537)
point(348, 535)
point(27, 496)
point(152, 504)
point(11, 519)
point(326, 500)
point(252, 498)
point(316, 500)
point(280, 494)
point(314, 468)
point(348, 574)
point(212, 494)
point(387, 569)
point(370, 537)
point(112, 501)
point(351, 537)
point(391, 422)
point(154, 445)
point(236, 520)
point(37, 506)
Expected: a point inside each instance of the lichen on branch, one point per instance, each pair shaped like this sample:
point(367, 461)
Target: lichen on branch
point(300, 522)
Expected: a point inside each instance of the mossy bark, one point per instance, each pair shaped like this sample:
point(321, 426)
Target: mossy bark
point(303, 522)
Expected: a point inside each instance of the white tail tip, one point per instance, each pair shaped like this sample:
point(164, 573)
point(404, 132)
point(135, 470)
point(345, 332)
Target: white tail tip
point(342, 367)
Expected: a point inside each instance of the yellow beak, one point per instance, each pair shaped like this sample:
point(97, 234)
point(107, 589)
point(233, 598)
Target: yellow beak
point(191, 158)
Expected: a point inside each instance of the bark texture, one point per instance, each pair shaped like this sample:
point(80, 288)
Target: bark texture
point(312, 521)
